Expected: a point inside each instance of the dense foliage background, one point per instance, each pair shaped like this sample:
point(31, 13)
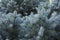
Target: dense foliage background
point(30, 20)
